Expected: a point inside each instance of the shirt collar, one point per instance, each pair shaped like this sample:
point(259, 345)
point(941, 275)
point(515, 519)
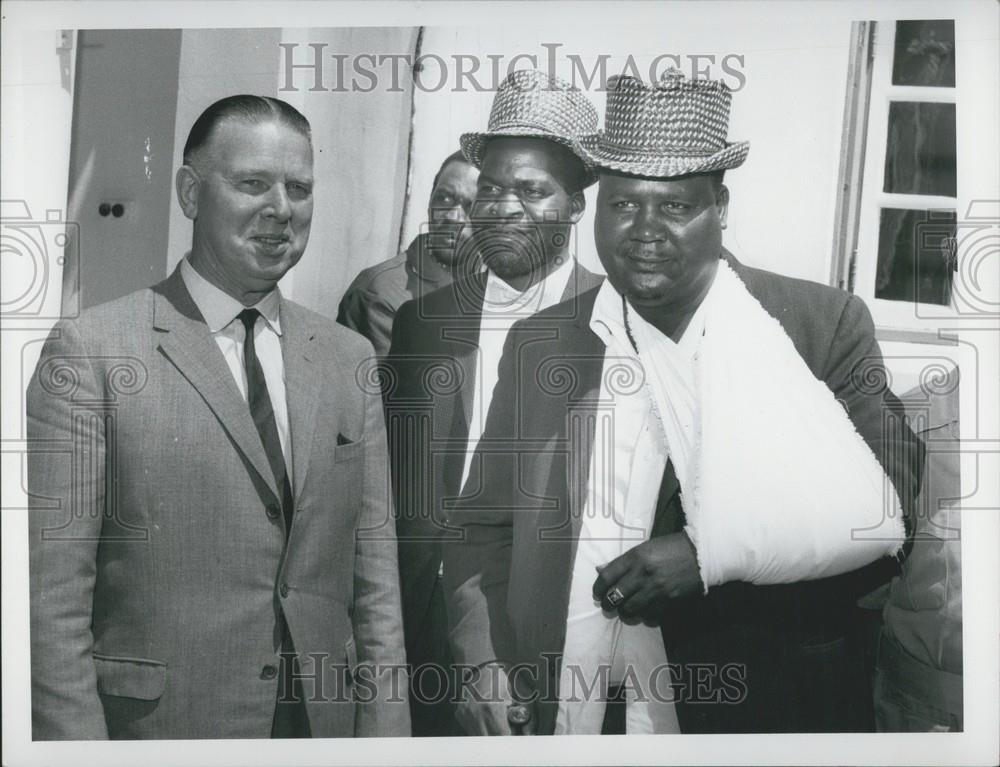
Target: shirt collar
point(500, 298)
point(607, 320)
point(219, 308)
point(416, 254)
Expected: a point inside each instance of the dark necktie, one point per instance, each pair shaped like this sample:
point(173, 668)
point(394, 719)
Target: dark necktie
point(263, 414)
point(290, 717)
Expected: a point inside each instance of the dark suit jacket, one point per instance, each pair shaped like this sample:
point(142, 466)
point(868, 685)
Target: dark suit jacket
point(370, 303)
point(429, 395)
point(507, 582)
point(159, 559)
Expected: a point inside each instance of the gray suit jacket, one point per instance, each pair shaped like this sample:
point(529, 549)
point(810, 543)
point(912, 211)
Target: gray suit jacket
point(158, 558)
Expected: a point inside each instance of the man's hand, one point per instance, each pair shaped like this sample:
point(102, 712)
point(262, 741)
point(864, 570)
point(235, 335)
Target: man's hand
point(485, 700)
point(642, 580)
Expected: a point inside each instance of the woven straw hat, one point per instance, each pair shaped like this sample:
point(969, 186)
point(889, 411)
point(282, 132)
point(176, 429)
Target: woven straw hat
point(533, 104)
point(675, 127)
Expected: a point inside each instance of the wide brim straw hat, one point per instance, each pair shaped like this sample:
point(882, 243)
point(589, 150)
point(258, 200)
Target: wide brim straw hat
point(532, 104)
point(675, 127)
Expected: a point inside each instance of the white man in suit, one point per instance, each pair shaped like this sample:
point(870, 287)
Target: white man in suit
point(206, 558)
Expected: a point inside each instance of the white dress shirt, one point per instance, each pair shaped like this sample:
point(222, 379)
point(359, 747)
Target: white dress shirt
point(220, 311)
point(502, 307)
point(628, 458)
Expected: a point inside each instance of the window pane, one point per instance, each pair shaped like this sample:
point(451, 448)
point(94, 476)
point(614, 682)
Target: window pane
point(915, 256)
point(924, 53)
point(920, 149)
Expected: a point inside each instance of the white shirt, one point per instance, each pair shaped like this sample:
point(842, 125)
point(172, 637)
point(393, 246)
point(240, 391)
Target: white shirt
point(220, 311)
point(628, 458)
point(502, 307)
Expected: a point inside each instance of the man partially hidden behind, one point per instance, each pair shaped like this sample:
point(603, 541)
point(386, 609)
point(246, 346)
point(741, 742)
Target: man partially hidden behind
point(687, 481)
point(434, 258)
point(918, 681)
point(208, 484)
point(442, 367)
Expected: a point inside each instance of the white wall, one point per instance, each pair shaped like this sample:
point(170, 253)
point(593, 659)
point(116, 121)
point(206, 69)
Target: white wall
point(360, 143)
point(37, 107)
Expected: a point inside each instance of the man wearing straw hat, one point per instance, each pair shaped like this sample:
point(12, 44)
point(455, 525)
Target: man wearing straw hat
point(446, 345)
point(686, 483)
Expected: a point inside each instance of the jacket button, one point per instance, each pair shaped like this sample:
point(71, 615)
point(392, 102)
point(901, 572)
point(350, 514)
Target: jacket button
point(284, 589)
point(269, 671)
point(273, 511)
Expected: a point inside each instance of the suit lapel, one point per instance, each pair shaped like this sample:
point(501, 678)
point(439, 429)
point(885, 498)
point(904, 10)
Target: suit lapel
point(186, 341)
point(578, 421)
point(668, 517)
point(302, 386)
point(465, 337)
point(581, 281)
point(574, 426)
point(466, 355)
point(460, 335)
point(582, 428)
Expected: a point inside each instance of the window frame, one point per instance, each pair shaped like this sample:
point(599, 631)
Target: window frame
point(861, 198)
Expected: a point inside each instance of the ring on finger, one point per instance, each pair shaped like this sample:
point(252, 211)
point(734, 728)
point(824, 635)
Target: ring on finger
point(615, 597)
